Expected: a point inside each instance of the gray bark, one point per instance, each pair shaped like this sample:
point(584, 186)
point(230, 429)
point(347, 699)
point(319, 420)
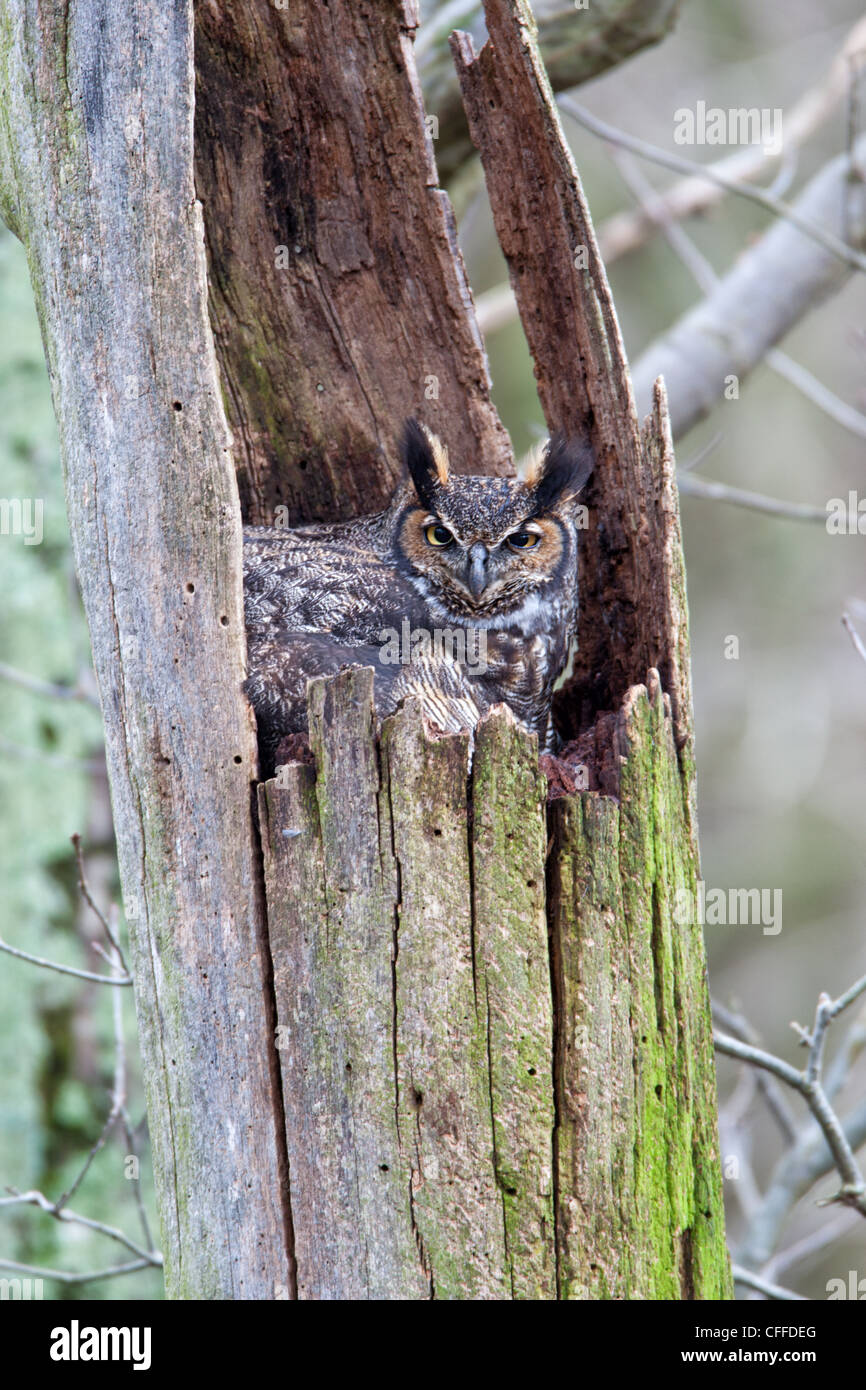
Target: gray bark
point(96, 178)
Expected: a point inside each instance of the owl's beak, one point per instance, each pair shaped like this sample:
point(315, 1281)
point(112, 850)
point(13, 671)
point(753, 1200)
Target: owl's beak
point(476, 570)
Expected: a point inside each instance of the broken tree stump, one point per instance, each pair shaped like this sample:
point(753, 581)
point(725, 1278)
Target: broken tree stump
point(493, 1088)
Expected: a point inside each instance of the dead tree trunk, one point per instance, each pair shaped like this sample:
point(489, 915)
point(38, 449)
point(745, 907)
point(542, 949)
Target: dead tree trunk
point(96, 177)
point(484, 1052)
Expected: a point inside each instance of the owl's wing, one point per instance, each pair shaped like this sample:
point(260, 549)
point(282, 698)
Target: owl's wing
point(294, 582)
point(282, 664)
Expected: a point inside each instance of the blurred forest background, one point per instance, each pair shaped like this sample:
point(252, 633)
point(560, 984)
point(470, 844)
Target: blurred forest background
point(780, 730)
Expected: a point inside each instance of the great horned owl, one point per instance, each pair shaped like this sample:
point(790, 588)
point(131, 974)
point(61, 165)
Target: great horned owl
point(462, 592)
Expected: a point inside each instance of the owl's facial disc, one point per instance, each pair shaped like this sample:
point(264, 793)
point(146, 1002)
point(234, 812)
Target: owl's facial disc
point(487, 576)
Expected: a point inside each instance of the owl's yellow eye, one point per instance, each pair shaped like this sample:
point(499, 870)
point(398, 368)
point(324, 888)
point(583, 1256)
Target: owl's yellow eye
point(523, 540)
point(437, 534)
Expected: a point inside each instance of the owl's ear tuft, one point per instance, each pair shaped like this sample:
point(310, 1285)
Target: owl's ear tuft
point(426, 459)
point(561, 471)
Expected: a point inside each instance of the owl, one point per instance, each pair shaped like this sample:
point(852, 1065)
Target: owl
point(462, 592)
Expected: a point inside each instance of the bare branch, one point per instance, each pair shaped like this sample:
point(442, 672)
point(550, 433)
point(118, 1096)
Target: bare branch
point(754, 1281)
point(38, 1199)
point(788, 212)
point(856, 639)
point(696, 486)
point(41, 687)
point(840, 1143)
point(707, 280)
point(65, 969)
point(109, 929)
point(756, 1057)
point(769, 289)
point(497, 306)
point(626, 231)
point(809, 1084)
point(848, 998)
point(67, 1277)
point(769, 1088)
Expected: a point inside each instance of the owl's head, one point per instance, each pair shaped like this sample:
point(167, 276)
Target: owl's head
point(488, 551)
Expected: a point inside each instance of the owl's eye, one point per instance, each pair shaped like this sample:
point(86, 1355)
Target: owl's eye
point(437, 534)
point(523, 540)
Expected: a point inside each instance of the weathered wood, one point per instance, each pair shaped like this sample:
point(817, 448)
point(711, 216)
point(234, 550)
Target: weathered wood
point(311, 137)
point(640, 1211)
point(546, 233)
point(471, 1114)
point(413, 996)
point(332, 895)
point(577, 44)
point(638, 1207)
point(509, 845)
point(96, 178)
point(441, 1037)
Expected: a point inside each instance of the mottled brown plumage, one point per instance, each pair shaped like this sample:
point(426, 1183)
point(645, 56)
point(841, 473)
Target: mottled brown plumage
point(462, 592)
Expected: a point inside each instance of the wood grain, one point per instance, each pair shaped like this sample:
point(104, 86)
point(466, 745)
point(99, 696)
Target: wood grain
point(311, 137)
point(96, 175)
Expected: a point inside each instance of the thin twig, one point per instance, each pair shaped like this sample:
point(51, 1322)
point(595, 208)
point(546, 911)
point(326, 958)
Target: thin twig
point(754, 501)
point(739, 1027)
point(66, 1277)
point(627, 231)
point(65, 969)
point(836, 247)
point(38, 1199)
point(118, 1095)
point(110, 931)
point(848, 998)
point(754, 1281)
point(40, 687)
point(798, 376)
